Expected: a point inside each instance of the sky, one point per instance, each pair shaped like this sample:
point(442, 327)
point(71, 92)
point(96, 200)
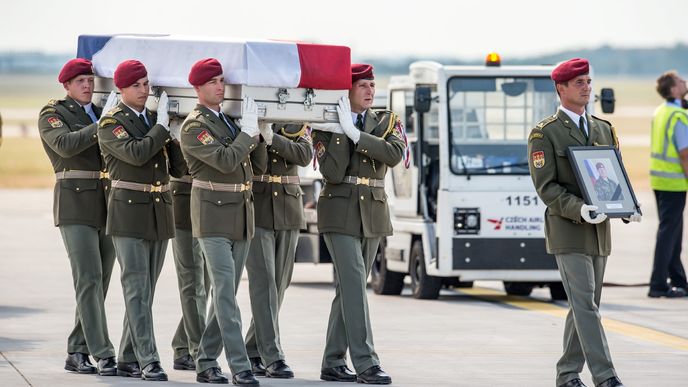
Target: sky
point(372, 28)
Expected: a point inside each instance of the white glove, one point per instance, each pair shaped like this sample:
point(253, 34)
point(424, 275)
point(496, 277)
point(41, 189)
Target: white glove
point(327, 127)
point(266, 131)
point(163, 108)
point(176, 130)
point(249, 117)
point(111, 102)
point(585, 214)
point(635, 217)
point(344, 111)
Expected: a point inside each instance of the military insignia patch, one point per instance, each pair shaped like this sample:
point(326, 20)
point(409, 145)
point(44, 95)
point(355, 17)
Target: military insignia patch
point(538, 159)
point(191, 125)
point(55, 122)
point(119, 132)
point(319, 149)
point(107, 121)
point(535, 135)
point(205, 138)
point(48, 110)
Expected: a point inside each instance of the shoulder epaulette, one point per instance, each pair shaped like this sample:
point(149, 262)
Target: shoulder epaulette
point(546, 121)
point(48, 109)
point(599, 119)
point(113, 111)
point(195, 113)
point(53, 102)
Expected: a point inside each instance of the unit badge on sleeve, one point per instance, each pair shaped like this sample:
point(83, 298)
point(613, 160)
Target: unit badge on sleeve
point(538, 159)
point(55, 122)
point(205, 138)
point(119, 132)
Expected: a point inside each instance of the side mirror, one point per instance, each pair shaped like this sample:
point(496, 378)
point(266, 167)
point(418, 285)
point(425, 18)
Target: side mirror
point(421, 99)
point(607, 100)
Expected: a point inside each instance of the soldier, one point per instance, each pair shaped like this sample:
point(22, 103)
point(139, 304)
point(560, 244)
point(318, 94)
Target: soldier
point(192, 278)
point(68, 131)
point(140, 157)
point(353, 216)
point(606, 188)
point(222, 159)
point(580, 242)
point(279, 217)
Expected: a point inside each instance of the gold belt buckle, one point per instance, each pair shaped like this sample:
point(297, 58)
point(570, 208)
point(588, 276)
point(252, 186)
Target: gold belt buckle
point(275, 179)
point(244, 187)
point(363, 180)
point(104, 175)
point(156, 189)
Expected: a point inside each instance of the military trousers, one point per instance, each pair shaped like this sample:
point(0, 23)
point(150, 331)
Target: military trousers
point(224, 260)
point(91, 257)
point(193, 290)
point(349, 322)
point(140, 262)
point(584, 338)
point(269, 265)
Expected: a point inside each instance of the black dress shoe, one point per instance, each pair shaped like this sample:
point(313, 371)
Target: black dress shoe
point(670, 293)
point(573, 383)
point(611, 382)
point(374, 375)
point(129, 370)
point(279, 369)
point(212, 375)
point(257, 366)
point(154, 372)
point(337, 374)
point(107, 367)
point(184, 363)
point(79, 363)
point(245, 378)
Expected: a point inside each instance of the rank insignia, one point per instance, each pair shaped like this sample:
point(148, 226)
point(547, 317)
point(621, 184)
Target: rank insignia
point(55, 122)
point(205, 138)
point(538, 159)
point(535, 135)
point(107, 121)
point(319, 149)
point(119, 132)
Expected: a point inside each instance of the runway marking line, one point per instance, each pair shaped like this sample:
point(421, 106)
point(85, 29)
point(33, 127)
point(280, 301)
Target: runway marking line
point(610, 325)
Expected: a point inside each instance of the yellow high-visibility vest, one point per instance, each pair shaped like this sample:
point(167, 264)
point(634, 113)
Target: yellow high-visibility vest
point(666, 172)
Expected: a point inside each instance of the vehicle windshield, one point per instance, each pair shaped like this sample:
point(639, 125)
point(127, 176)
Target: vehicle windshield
point(490, 120)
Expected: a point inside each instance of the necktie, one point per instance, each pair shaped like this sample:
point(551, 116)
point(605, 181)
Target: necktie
point(143, 120)
point(226, 122)
point(359, 121)
point(90, 113)
point(581, 126)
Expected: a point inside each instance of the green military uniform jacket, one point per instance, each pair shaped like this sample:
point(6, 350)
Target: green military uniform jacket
point(134, 153)
point(358, 210)
point(69, 138)
point(280, 206)
point(555, 182)
point(214, 155)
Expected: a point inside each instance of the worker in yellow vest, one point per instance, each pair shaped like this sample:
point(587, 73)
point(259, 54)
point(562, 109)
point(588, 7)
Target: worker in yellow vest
point(669, 181)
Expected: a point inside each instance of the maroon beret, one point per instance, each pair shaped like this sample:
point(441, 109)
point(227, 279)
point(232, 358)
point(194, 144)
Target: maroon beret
point(570, 69)
point(128, 72)
point(75, 67)
point(361, 71)
point(204, 70)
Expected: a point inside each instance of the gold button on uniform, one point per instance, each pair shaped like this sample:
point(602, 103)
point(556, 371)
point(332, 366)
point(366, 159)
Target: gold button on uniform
point(77, 188)
point(129, 201)
point(219, 202)
point(157, 182)
point(156, 165)
point(157, 200)
point(361, 197)
point(275, 193)
point(274, 160)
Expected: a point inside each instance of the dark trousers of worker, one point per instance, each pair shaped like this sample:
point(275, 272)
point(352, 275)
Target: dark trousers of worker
point(193, 290)
point(140, 262)
point(349, 323)
point(92, 257)
point(224, 260)
point(269, 265)
point(584, 339)
point(667, 262)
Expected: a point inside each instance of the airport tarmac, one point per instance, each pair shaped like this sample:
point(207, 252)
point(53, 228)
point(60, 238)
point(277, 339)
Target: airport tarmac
point(469, 337)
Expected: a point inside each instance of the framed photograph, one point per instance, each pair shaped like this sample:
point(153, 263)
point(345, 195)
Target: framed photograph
point(603, 180)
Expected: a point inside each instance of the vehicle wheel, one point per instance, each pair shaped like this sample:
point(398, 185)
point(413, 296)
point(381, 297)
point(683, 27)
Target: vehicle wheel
point(423, 285)
point(385, 281)
point(518, 288)
point(556, 290)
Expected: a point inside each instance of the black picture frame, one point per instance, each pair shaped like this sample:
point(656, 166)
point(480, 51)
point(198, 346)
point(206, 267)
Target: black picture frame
point(603, 180)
